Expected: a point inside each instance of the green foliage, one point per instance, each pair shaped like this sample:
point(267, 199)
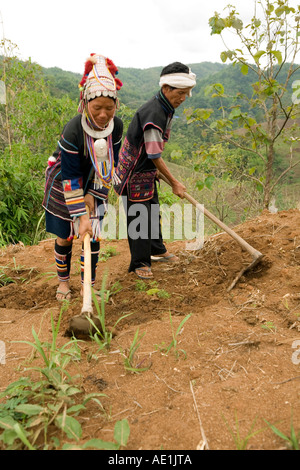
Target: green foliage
point(31, 407)
point(142, 286)
point(4, 278)
point(255, 121)
point(107, 253)
point(33, 122)
point(160, 293)
point(166, 196)
point(121, 435)
point(34, 117)
point(62, 83)
point(54, 358)
point(21, 193)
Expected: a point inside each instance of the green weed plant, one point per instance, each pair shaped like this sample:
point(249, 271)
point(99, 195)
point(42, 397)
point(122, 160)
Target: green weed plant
point(241, 442)
point(131, 360)
point(174, 343)
point(103, 336)
point(293, 440)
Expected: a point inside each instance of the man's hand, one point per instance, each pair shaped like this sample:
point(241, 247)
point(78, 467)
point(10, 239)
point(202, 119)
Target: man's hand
point(178, 189)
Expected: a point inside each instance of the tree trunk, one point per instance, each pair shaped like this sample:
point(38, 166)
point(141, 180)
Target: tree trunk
point(270, 153)
point(269, 176)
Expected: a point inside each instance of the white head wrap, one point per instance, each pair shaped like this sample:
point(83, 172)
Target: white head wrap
point(179, 80)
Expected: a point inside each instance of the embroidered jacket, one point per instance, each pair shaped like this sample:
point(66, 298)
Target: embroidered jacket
point(147, 134)
point(72, 175)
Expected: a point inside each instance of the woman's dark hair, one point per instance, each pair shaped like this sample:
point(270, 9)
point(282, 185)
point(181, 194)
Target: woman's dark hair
point(175, 67)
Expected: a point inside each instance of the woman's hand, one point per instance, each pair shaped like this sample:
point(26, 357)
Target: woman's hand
point(90, 202)
point(85, 226)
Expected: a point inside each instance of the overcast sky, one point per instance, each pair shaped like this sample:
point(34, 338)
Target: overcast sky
point(133, 33)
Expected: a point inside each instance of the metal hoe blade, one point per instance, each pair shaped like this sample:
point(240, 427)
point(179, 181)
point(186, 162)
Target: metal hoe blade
point(242, 272)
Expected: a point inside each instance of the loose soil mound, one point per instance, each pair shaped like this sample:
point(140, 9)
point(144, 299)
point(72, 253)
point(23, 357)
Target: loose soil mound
point(236, 357)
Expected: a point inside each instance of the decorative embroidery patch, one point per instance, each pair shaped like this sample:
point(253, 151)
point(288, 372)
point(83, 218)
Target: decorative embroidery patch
point(141, 186)
point(127, 161)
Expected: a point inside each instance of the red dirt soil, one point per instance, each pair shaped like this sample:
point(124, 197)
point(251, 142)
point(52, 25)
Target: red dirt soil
point(238, 352)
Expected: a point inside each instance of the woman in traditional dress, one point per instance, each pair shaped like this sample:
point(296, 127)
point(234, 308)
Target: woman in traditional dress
point(80, 172)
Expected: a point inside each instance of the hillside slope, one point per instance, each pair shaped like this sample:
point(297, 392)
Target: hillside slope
point(139, 85)
point(237, 355)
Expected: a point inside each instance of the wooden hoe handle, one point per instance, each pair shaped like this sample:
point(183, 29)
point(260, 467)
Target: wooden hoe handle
point(253, 252)
point(87, 282)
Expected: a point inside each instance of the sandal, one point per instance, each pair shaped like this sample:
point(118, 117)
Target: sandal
point(165, 259)
point(61, 296)
point(148, 273)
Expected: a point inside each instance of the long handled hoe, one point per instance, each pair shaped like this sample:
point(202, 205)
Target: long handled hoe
point(256, 255)
point(80, 324)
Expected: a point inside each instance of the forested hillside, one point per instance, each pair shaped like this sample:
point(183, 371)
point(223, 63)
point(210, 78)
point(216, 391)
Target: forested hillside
point(41, 100)
point(140, 84)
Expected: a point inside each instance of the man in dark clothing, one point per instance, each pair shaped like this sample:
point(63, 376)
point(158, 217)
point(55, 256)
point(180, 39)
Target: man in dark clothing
point(141, 162)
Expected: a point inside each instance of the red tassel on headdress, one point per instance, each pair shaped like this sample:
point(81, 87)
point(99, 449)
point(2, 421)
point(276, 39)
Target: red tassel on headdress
point(114, 71)
point(119, 84)
point(112, 68)
point(87, 69)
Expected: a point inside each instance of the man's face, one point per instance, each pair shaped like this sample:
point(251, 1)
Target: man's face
point(175, 96)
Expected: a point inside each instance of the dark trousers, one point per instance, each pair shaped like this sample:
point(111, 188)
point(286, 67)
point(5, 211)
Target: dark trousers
point(144, 231)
